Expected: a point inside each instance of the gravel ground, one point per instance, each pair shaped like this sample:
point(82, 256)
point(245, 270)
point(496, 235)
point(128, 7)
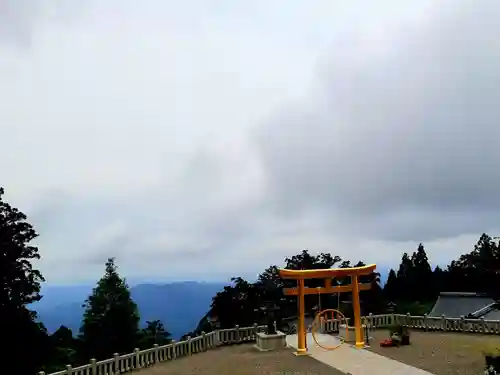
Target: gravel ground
point(242, 360)
point(438, 352)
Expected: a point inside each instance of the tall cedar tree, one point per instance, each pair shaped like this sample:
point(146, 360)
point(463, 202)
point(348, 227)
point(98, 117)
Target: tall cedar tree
point(111, 318)
point(422, 277)
point(405, 278)
point(391, 287)
point(22, 336)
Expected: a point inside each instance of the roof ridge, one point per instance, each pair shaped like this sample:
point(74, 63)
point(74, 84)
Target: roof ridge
point(463, 294)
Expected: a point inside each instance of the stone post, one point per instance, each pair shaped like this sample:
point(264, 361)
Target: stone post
point(483, 325)
point(238, 338)
point(217, 338)
point(116, 363)
point(137, 358)
point(157, 353)
point(174, 351)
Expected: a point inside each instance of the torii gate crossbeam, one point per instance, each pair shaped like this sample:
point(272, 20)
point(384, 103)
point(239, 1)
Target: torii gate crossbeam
point(327, 274)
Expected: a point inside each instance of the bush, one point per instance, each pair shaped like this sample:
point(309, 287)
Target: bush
point(492, 351)
point(400, 334)
point(414, 308)
point(492, 359)
point(399, 329)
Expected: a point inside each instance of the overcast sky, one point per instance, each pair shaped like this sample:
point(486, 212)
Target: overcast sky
point(207, 139)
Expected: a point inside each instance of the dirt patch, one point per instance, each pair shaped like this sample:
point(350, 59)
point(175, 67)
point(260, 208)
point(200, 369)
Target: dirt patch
point(242, 360)
point(438, 352)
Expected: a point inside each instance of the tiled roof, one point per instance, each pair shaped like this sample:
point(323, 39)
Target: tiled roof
point(456, 304)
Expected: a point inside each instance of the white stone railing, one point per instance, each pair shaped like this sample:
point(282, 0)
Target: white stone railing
point(146, 358)
point(332, 325)
point(430, 323)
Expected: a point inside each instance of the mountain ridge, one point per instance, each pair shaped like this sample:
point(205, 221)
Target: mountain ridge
point(179, 305)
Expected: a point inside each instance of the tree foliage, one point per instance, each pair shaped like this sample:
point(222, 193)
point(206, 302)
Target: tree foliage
point(154, 333)
point(111, 318)
point(414, 285)
point(63, 349)
point(22, 336)
point(240, 303)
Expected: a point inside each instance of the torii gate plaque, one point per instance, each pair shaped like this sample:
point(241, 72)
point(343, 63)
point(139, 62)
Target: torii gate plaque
point(327, 274)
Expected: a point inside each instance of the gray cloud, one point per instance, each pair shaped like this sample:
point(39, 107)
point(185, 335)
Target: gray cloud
point(213, 140)
point(402, 143)
point(17, 21)
point(22, 21)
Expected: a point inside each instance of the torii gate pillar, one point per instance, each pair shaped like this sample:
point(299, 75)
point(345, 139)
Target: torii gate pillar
point(327, 274)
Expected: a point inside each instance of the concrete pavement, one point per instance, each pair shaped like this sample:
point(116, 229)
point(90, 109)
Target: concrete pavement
point(353, 361)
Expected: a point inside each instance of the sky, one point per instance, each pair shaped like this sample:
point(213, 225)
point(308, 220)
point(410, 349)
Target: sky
point(199, 140)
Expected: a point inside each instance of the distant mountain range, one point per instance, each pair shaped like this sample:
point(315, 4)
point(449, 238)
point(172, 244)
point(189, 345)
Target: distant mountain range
point(179, 306)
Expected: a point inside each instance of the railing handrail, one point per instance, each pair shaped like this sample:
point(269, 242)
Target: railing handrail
point(435, 323)
point(228, 336)
point(207, 340)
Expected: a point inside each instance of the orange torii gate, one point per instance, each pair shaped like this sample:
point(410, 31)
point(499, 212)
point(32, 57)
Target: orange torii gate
point(327, 274)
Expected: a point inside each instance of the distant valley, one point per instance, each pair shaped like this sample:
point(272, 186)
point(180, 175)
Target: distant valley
point(179, 306)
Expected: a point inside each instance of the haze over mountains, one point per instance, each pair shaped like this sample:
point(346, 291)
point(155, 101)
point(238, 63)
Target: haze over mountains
point(179, 305)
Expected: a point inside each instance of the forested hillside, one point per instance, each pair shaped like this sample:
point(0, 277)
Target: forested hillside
point(413, 286)
point(110, 322)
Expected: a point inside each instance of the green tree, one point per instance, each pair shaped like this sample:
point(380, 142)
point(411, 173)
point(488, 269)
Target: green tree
point(22, 336)
point(271, 283)
point(237, 304)
point(421, 281)
point(479, 270)
point(404, 276)
point(111, 318)
point(154, 333)
point(64, 347)
point(372, 301)
point(440, 279)
point(486, 264)
point(304, 260)
point(391, 287)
